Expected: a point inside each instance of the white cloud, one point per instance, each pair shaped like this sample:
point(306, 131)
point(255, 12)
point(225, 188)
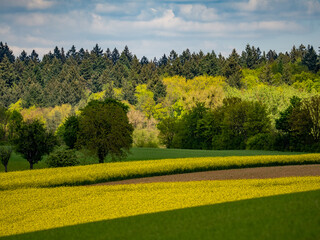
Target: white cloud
point(17, 50)
point(34, 40)
point(28, 4)
point(31, 19)
point(313, 6)
point(4, 29)
point(286, 7)
point(107, 8)
point(198, 12)
point(38, 4)
point(170, 25)
point(127, 7)
point(253, 5)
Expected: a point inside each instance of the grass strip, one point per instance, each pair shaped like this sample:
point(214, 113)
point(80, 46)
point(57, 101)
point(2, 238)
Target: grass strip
point(291, 216)
point(83, 175)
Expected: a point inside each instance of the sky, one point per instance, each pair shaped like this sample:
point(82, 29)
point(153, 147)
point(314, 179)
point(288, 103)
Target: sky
point(152, 28)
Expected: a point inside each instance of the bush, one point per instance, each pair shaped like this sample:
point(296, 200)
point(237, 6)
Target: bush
point(145, 138)
point(261, 141)
point(62, 158)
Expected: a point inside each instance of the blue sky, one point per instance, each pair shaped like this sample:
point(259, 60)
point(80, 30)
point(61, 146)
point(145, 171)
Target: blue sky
point(152, 28)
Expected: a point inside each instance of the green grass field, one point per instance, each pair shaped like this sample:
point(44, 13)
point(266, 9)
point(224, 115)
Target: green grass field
point(290, 216)
point(17, 163)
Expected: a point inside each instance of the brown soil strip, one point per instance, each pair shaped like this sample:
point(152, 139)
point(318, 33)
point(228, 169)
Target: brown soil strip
point(243, 173)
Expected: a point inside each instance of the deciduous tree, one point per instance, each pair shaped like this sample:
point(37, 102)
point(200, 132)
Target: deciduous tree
point(104, 128)
point(33, 141)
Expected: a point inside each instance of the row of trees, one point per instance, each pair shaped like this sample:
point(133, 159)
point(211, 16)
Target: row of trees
point(102, 127)
point(239, 124)
point(69, 78)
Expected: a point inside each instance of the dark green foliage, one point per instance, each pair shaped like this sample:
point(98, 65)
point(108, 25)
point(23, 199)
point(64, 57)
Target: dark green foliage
point(227, 127)
point(6, 52)
point(232, 69)
point(310, 59)
point(240, 120)
point(188, 136)
point(168, 129)
point(70, 132)
point(261, 141)
point(115, 56)
point(97, 51)
point(300, 125)
point(104, 128)
point(33, 141)
point(5, 154)
point(69, 78)
point(62, 158)
point(14, 122)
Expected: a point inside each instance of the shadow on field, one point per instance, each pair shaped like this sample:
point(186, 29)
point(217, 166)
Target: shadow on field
point(290, 216)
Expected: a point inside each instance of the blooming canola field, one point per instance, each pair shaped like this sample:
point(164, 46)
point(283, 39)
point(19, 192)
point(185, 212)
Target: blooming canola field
point(33, 209)
point(81, 175)
point(50, 198)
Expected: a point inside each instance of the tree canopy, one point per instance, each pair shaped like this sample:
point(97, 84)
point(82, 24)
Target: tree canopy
point(104, 128)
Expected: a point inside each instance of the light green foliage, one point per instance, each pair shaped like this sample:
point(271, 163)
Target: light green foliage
point(145, 138)
point(276, 99)
point(145, 101)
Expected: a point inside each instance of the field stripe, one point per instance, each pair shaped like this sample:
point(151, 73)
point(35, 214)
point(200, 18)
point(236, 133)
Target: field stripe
point(28, 210)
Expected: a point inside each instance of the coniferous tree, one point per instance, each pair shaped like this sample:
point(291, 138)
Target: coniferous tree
point(23, 56)
point(5, 51)
point(310, 59)
point(115, 56)
point(232, 69)
point(72, 52)
point(7, 73)
point(144, 61)
point(34, 56)
point(97, 51)
point(108, 54)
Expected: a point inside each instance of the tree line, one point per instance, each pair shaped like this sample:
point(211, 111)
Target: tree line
point(70, 77)
point(101, 127)
point(252, 100)
point(241, 124)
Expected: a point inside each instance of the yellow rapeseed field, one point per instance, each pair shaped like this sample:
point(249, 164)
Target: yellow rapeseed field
point(32, 209)
point(81, 175)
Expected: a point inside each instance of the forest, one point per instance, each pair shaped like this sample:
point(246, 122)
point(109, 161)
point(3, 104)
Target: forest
point(248, 100)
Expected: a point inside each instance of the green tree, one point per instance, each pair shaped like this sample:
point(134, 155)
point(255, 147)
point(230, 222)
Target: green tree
point(232, 70)
point(168, 130)
point(310, 59)
point(5, 154)
point(104, 128)
point(33, 141)
point(70, 131)
point(240, 120)
point(188, 136)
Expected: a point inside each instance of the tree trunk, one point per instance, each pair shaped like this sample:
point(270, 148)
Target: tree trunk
point(101, 158)
point(101, 155)
point(31, 165)
point(6, 168)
